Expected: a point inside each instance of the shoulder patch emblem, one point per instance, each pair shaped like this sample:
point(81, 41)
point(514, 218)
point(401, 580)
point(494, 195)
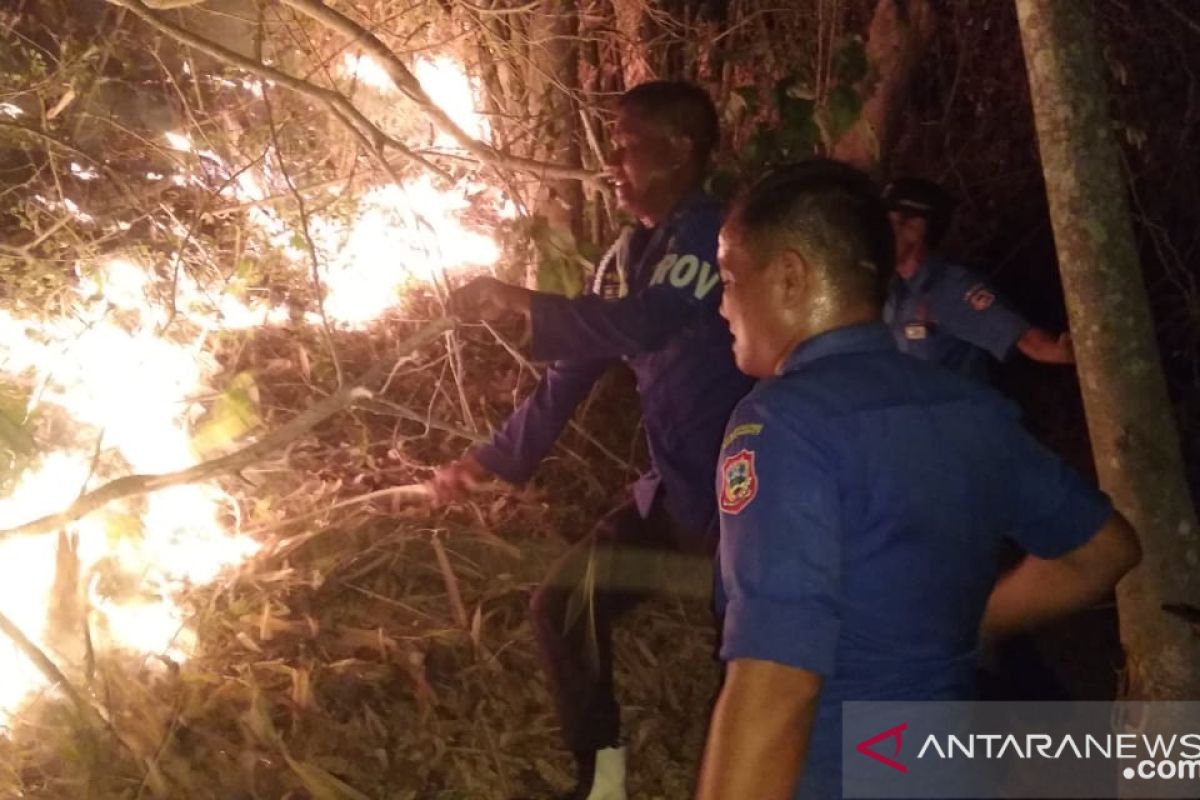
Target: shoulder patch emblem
point(748, 429)
point(981, 298)
point(739, 483)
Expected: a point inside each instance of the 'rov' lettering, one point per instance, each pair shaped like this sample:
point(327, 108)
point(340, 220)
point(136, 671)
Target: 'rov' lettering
point(683, 271)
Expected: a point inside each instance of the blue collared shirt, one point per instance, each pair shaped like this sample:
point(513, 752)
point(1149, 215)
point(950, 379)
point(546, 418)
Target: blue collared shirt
point(654, 305)
point(948, 314)
point(864, 496)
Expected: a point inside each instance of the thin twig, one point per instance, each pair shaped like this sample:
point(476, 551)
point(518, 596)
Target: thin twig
point(52, 673)
point(407, 83)
point(451, 581)
point(310, 245)
point(341, 108)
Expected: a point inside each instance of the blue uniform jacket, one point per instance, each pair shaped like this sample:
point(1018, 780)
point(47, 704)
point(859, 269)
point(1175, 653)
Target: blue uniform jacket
point(864, 496)
point(654, 305)
point(948, 314)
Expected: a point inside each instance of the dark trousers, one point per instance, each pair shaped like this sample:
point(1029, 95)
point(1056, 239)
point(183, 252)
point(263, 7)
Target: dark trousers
point(622, 561)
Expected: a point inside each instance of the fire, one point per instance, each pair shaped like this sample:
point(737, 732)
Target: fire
point(402, 233)
point(446, 83)
point(120, 382)
point(111, 378)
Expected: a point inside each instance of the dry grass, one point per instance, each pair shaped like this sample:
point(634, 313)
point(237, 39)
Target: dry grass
point(336, 663)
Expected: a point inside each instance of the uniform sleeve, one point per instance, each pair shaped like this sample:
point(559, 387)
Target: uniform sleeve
point(684, 286)
point(1056, 509)
point(780, 546)
point(516, 449)
point(970, 309)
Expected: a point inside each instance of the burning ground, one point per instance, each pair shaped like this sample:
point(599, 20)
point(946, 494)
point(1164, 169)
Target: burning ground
point(383, 648)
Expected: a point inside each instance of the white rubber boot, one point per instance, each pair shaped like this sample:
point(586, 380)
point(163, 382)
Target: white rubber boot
point(608, 783)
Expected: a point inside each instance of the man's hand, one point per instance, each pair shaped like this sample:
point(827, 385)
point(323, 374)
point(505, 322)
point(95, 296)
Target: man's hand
point(1047, 348)
point(452, 482)
point(488, 299)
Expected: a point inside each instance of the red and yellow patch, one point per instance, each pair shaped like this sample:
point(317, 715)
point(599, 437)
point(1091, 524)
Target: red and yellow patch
point(739, 483)
point(981, 298)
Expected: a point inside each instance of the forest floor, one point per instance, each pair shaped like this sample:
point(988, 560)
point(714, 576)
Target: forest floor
point(380, 650)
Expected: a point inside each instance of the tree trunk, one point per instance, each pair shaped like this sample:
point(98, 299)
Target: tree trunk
point(899, 35)
point(634, 55)
point(1133, 433)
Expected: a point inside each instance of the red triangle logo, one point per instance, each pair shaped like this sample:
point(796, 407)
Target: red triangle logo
point(865, 746)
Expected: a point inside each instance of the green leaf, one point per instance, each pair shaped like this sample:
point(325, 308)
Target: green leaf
point(119, 525)
point(842, 111)
point(560, 267)
point(850, 61)
point(743, 102)
point(234, 413)
point(258, 719)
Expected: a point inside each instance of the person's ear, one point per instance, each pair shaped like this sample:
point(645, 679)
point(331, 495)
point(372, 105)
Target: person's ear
point(919, 226)
point(682, 148)
point(794, 275)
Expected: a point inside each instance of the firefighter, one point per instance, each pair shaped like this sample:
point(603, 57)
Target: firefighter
point(943, 312)
point(654, 306)
point(863, 495)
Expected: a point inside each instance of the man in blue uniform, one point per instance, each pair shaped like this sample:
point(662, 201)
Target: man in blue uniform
point(942, 312)
point(857, 561)
point(654, 305)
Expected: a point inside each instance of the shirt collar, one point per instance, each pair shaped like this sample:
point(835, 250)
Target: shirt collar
point(925, 273)
point(689, 201)
point(871, 337)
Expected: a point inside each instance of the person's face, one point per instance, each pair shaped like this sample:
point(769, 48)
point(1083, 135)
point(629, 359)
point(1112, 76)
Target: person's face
point(758, 300)
point(646, 165)
point(909, 230)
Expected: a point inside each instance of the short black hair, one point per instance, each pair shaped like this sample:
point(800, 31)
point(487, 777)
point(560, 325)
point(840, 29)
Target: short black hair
point(925, 199)
point(684, 108)
point(831, 212)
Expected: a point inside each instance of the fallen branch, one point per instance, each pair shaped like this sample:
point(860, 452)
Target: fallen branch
point(134, 485)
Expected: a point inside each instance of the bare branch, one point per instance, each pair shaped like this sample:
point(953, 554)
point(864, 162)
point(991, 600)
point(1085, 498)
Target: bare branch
point(341, 108)
point(407, 83)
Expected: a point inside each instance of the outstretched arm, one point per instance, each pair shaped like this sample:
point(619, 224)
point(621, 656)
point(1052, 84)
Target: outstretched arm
point(590, 326)
point(525, 438)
